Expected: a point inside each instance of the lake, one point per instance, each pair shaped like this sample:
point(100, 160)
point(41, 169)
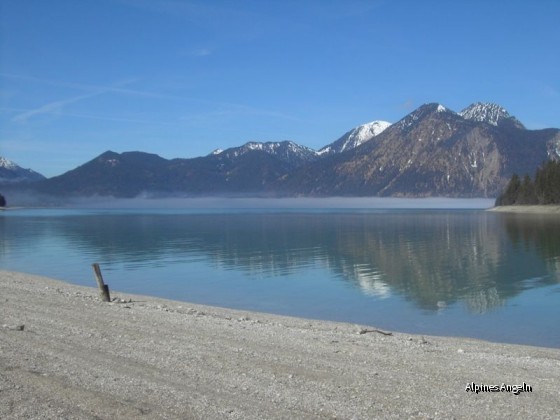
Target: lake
point(435, 271)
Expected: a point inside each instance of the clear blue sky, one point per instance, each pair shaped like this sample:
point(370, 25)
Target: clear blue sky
point(181, 78)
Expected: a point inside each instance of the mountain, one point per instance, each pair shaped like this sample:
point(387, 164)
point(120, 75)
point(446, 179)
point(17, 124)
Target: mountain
point(11, 173)
point(355, 137)
point(287, 151)
point(247, 169)
point(433, 151)
point(120, 175)
point(489, 113)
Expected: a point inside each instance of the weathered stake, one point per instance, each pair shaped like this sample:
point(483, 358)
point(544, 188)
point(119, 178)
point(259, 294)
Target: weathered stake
point(104, 288)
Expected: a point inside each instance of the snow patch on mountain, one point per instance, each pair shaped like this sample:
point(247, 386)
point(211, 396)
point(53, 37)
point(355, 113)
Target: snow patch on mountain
point(7, 164)
point(356, 137)
point(486, 112)
point(287, 150)
point(11, 172)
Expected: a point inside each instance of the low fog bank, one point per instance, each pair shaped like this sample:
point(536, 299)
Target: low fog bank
point(285, 203)
point(24, 198)
point(30, 199)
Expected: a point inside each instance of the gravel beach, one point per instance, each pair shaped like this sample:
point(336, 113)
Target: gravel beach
point(66, 354)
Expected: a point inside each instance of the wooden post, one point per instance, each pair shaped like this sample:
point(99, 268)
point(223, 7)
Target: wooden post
point(104, 288)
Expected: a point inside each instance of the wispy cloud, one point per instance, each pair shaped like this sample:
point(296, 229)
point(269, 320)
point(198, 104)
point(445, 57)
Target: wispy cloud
point(56, 107)
point(60, 107)
point(227, 110)
point(94, 90)
point(201, 52)
point(53, 107)
point(407, 105)
point(550, 91)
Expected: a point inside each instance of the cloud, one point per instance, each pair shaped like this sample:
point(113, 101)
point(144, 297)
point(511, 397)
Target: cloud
point(53, 107)
point(407, 105)
point(56, 107)
point(59, 107)
point(550, 91)
point(226, 110)
point(201, 52)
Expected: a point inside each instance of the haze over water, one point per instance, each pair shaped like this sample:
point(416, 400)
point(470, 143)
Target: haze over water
point(451, 271)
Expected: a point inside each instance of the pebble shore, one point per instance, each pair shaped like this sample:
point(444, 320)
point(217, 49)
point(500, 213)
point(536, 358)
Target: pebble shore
point(66, 354)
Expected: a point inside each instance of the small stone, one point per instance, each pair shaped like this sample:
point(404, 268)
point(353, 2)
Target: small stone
point(460, 351)
point(20, 327)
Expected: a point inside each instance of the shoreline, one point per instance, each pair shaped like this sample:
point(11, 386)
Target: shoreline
point(78, 357)
point(528, 209)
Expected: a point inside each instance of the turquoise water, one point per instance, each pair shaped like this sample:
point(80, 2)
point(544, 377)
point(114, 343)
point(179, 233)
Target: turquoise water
point(443, 272)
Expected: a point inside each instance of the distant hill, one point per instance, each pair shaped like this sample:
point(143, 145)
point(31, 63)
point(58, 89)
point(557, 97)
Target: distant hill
point(432, 151)
point(247, 169)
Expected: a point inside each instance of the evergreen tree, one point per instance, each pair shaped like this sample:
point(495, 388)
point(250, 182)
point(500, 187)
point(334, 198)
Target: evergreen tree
point(547, 183)
point(509, 196)
point(2, 201)
point(526, 194)
point(544, 190)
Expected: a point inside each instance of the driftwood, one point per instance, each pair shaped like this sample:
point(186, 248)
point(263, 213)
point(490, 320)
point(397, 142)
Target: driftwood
point(366, 330)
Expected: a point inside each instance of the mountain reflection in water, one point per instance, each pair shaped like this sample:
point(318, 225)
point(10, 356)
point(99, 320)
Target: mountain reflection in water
point(434, 260)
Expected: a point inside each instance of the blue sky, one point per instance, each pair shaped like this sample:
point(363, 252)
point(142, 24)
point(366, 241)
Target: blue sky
point(182, 78)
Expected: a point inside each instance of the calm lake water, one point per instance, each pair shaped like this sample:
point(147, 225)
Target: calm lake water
point(458, 272)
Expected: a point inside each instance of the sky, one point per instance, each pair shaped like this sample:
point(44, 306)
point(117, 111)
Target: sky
point(181, 78)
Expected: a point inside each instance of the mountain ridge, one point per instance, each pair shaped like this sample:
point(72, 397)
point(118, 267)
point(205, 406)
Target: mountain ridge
point(430, 151)
point(12, 173)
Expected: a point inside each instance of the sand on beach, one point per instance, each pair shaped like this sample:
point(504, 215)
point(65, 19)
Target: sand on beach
point(66, 354)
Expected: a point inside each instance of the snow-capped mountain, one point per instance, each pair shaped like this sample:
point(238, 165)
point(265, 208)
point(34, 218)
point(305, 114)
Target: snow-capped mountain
point(11, 173)
point(418, 114)
point(432, 151)
point(355, 137)
point(489, 113)
point(284, 150)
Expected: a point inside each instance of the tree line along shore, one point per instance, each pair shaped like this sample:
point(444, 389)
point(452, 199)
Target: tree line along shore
point(543, 189)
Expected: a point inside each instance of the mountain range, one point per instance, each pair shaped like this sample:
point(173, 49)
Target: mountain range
point(433, 151)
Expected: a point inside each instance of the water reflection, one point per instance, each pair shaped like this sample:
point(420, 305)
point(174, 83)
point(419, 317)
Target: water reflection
point(433, 259)
point(539, 232)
